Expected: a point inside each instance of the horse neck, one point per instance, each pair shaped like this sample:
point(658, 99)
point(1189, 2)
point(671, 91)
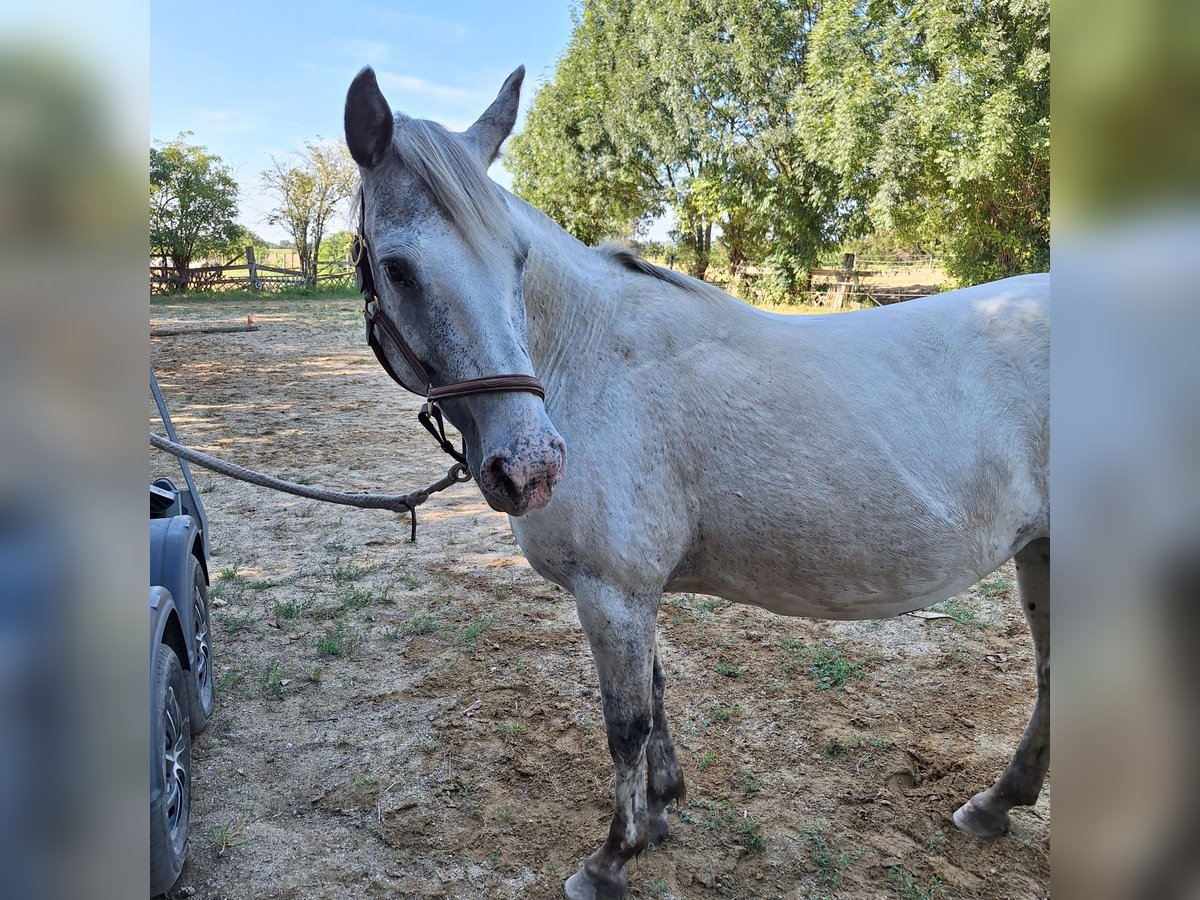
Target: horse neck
point(571, 297)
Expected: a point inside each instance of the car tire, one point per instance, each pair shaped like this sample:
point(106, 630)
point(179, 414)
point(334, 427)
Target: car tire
point(172, 751)
point(201, 689)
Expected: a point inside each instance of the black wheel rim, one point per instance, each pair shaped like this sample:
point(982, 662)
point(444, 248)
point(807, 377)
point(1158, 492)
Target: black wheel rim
point(175, 773)
point(202, 667)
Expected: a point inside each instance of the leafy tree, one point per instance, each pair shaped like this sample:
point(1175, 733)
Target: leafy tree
point(337, 246)
point(936, 118)
point(193, 202)
point(309, 190)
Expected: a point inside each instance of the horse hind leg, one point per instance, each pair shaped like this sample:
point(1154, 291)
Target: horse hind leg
point(620, 629)
point(664, 777)
point(986, 814)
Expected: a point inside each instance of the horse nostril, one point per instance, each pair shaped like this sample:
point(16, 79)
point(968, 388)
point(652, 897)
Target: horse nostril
point(497, 478)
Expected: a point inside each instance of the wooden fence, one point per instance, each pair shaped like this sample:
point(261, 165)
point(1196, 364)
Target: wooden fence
point(245, 273)
point(857, 280)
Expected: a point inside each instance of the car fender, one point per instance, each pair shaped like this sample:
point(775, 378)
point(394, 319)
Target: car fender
point(172, 544)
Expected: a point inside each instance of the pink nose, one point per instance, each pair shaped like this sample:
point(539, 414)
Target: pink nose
point(517, 481)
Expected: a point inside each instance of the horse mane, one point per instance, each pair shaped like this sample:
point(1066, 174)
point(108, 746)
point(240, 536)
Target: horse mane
point(451, 172)
point(628, 258)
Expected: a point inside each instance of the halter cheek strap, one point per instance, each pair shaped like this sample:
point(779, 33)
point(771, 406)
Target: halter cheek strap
point(378, 322)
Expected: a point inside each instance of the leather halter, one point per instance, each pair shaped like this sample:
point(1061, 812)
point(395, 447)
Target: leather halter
point(378, 321)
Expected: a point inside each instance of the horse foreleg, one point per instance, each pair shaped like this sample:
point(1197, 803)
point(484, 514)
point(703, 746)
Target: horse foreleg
point(664, 777)
point(986, 814)
point(620, 629)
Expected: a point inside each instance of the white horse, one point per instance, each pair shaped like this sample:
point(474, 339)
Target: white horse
point(845, 467)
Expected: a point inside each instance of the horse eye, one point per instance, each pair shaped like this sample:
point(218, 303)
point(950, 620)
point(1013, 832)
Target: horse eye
point(399, 273)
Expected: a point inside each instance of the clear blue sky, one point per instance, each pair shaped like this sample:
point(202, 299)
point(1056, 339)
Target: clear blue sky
point(255, 79)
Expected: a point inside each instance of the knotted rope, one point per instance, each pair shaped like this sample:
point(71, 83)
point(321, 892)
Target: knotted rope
point(398, 503)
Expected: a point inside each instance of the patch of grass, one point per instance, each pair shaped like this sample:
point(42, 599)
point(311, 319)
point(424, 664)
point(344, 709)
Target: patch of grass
point(749, 782)
point(291, 609)
point(585, 723)
point(363, 779)
point(421, 625)
point(468, 634)
point(723, 714)
point(313, 677)
point(231, 680)
point(338, 642)
point(344, 573)
point(226, 837)
point(411, 582)
point(208, 488)
point(935, 840)
point(964, 614)
point(751, 833)
point(996, 586)
point(512, 728)
point(706, 759)
point(506, 812)
point(300, 479)
point(908, 888)
point(831, 669)
point(830, 864)
point(837, 746)
point(655, 886)
point(729, 670)
point(233, 621)
point(264, 584)
point(723, 815)
point(272, 681)
point(357, 598)
point(834, 747)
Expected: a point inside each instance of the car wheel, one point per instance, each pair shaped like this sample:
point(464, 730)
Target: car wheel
point(201, 692)
point(172, 752)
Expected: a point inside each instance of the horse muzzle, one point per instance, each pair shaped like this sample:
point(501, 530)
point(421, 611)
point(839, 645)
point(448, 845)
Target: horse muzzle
point(522, 477)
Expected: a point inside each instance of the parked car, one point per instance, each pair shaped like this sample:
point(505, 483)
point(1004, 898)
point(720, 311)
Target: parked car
point(182, 693)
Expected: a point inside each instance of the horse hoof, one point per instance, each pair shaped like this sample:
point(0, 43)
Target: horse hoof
point(979, 816)
point(582, 886)
point(658, 829)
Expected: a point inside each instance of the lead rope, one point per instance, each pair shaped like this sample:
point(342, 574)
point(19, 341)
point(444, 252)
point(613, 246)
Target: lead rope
point(458, 474)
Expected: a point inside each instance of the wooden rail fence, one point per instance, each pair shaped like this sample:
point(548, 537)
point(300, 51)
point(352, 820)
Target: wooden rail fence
point(244, 272)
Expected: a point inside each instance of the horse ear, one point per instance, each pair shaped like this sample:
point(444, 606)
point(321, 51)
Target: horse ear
point(368, 120)
point(496, 123)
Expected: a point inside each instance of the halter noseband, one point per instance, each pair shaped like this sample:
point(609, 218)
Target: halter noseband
point(377, 320)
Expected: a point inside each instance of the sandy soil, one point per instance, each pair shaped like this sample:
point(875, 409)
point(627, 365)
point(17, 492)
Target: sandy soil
point(423, 720)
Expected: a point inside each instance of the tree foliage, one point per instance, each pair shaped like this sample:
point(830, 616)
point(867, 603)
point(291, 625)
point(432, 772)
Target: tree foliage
point(936, 118)
point(308, 190)
point(193, 205)
point(788, 126)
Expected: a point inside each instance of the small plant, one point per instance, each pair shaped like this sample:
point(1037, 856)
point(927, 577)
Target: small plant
point(903, 880)
point(963, 614)
point(230, 680)
point(831, 669)
point(829, 864)
point(996, 586)
point(751, 834)
point(723, 714)
point(707, 758)
point(512, 728)
point(337, 642)
point(272, 681)
point(834, 748)
point(749, 782)
point(586, 724)
point(264, 584)
point(729, 670)
point(237, 621)
point(421, 625)
point(225, 837)
point(410, 582)
point(469, 634)
point(290, 609)
point(363, 779)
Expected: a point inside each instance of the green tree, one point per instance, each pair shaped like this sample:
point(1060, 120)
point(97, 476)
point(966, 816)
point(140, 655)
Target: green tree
point(936, 118)
point(309, 189)
point(680, 104)
point(193, 203)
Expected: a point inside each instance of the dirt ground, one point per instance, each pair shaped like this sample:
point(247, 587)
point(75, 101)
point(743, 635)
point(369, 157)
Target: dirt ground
point(423, 720)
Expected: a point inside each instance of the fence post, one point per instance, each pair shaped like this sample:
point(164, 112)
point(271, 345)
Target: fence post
point(252, 267)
